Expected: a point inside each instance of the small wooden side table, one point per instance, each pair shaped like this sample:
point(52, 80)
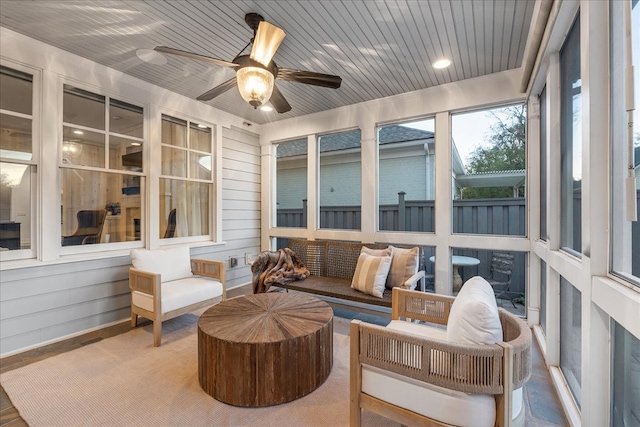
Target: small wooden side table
point(265, 349)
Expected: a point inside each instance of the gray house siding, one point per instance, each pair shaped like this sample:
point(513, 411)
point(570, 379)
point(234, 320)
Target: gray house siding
point(55, 300)
point(402, 174)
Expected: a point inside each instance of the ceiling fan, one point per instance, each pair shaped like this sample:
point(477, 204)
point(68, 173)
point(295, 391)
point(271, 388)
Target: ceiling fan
point(255, 73)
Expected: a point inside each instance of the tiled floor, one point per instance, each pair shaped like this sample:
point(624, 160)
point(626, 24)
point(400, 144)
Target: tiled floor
point(542, 404)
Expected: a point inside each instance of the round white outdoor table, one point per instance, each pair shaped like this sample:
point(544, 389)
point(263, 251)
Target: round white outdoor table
point(458, 261)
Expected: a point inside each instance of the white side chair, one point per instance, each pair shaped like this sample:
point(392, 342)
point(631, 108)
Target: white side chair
point(166, 283)
point(470, 373)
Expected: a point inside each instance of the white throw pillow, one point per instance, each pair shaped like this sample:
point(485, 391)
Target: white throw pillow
point(474, 314)
point(404, 264)
point(371, 274)
point(171, 264)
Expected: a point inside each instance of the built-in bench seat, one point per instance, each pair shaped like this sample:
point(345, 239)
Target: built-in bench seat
point(332, 265)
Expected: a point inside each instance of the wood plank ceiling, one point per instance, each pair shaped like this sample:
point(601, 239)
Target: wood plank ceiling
point(379, 48)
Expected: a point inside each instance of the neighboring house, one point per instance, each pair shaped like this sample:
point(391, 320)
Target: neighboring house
point(406, 165)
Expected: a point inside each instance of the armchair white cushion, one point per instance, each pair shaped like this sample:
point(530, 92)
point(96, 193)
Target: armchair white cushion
point(166, 283)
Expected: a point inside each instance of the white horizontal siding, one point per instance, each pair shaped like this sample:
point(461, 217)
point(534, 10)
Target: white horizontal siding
point(45, 302)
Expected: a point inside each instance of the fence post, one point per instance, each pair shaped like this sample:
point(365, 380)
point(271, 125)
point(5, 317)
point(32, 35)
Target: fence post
point(304, 212)
point(401, 211)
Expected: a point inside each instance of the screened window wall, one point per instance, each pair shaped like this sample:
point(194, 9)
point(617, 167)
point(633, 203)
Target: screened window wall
point(488, 165)
point(340, 189)
point(571, 143)
point(291, 183)
point(625, 183)
point(406, 176)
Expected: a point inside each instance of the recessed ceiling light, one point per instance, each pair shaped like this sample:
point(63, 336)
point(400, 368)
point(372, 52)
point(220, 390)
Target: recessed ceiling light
point(442, 63)
point(266, 108)
point(78, 132)
point(135, 144)
point(151, 56)
point(202, 126)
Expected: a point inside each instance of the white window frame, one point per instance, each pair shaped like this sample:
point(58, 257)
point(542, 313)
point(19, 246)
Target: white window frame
point(35, 117)
point(112, 246)
point(216, 146)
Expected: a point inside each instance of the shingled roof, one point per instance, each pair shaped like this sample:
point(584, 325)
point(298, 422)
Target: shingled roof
point(391, 134)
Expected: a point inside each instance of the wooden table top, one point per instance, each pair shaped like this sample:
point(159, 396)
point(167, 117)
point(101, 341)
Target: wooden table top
point(265, 318)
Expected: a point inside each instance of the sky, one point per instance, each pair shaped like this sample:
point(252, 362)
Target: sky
point(468, 130)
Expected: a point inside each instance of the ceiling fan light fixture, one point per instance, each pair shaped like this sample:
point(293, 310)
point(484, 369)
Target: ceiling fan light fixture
point(255, 85)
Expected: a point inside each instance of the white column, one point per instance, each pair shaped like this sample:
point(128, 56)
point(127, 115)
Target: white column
point(443, 229)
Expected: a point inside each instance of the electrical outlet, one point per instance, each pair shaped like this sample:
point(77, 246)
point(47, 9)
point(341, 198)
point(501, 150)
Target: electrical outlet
point(233, 262)
point(247, 259)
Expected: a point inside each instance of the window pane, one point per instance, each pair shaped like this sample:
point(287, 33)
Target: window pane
point(625, 183)
point(174, 162)
point(15, 205)
point(406, 186)
point(191, 202)
point(174, 131)
point(82, 148)
point(15, 138)
point(340, 180)
point(200, 166)
point(200, 138)
point(543, 164)
point(125, 154)
point(125, 119)
point(83, 108)
point(571, 142)
point(291, 183)
point(16, 88)
point(97, 209)
point(504, 270)
point(626, 378)
point(570, 337)
point(488, 164)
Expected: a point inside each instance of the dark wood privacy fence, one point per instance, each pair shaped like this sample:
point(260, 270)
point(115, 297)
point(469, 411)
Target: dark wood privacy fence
point(474, 216)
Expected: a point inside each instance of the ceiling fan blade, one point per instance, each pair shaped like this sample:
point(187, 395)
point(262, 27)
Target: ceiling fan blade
point(265, 43)
point(218, 90)
point(278, 101)
point(172, 51)
point(309, 78)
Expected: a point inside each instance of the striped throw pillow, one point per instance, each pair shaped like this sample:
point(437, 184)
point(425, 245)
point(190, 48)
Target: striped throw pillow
point(371, 274)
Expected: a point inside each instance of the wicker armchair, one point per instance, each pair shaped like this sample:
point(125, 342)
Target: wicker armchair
point(421, 378)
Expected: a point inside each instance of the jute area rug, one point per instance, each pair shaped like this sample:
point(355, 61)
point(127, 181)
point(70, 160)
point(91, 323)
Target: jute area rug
point(125, 381)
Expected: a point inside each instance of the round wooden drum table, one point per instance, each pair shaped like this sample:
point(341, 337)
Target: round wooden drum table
point(265, 349)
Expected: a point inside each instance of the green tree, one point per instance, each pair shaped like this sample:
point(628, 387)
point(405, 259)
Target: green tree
point(506, 151)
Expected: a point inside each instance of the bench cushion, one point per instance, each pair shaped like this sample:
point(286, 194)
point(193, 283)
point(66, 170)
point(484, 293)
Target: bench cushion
point(180, 293)
point(337, 288)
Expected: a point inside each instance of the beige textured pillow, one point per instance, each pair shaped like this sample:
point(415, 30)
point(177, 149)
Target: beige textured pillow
point(371, 274)
point(404, 264)
point(388, 251)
